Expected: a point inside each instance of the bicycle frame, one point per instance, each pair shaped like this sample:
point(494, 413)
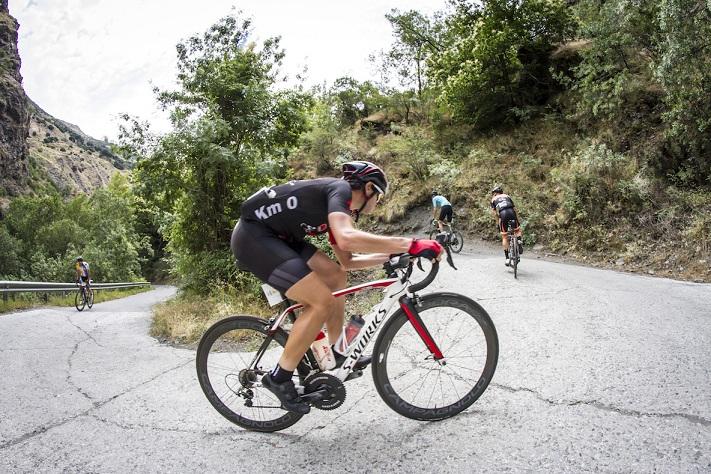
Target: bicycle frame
point(373, 320)
point(448, 225)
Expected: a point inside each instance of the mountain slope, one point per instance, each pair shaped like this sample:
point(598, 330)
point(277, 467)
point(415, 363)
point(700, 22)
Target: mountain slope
point(63, 155)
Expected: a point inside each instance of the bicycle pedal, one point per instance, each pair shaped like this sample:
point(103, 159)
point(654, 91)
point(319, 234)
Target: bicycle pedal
point(354, 375)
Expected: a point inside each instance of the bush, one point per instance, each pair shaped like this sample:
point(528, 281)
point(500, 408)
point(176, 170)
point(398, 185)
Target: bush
point(598, 184)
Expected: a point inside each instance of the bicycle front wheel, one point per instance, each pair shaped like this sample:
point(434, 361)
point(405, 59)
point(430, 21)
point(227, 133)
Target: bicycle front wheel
point(231, 380)
point(79, 300)
point(457, 241)
point(433, 234)
point(415, 385)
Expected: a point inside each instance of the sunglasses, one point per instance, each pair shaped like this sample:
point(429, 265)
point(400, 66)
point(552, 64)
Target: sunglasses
point(381, 193)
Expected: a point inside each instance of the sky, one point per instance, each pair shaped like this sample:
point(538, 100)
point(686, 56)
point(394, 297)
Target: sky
point(86, 61)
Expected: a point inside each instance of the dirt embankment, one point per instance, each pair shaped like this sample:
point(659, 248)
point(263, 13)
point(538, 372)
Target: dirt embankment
point(665, 259)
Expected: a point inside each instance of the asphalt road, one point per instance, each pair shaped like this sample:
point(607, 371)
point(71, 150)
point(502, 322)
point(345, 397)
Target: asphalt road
point(598, 371)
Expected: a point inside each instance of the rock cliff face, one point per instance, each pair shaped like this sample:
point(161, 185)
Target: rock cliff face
point(37, 149)
point(14, 112)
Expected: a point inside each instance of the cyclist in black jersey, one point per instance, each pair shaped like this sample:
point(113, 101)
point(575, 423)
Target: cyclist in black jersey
point(503, 208)
point(269, 241)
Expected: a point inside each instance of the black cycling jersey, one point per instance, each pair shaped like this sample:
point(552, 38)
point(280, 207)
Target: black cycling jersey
point(298, 208)
point(501, 202)
point(269, 238)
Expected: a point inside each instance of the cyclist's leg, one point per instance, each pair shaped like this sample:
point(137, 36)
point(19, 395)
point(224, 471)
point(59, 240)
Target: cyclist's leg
point(335, 278)
point(504, 236)
point(319, 305)
point(282, 265)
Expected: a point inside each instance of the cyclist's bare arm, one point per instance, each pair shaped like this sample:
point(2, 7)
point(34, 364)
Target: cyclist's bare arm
point(436, 213)
point(351, 261)
point(349, 239)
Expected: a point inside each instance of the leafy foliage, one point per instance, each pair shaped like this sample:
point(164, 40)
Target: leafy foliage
point(495, 57)
point(233, 130)
point(41, 236)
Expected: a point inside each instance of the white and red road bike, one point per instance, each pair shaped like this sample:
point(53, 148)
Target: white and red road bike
point(433, 357)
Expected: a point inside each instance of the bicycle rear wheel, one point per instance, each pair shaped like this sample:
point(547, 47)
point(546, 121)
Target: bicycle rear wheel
point(412, 383)
point(90, 299)
point(230, 379)
point(79, 300)
point(513, 254)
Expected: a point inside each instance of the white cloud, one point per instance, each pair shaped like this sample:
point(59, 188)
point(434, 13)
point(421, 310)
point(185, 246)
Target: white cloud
point(86, 61)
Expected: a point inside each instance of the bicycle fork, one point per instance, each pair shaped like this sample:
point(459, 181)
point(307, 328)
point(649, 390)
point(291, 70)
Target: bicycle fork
point(409, 307)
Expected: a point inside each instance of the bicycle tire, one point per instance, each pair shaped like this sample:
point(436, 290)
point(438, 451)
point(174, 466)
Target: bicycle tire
point(458, 242)
point(227, 353)
point(90, 300)
point(433, 233)
point(79, 300)
point(398, 336)
point(513, 254)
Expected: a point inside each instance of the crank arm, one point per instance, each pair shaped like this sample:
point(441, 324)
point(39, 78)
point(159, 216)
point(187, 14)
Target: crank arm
point(314, 396)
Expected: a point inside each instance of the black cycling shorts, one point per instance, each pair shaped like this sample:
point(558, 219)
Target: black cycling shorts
point(507, 216)
point(272, 259)
point(446, 213)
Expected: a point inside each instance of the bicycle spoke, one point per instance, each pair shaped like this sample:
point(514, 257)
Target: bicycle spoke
point(435, 388)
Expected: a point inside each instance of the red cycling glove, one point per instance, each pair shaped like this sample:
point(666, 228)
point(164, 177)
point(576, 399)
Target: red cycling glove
point(425, 248)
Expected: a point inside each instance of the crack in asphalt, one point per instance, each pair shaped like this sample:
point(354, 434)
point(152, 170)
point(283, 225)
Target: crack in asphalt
point(157, 428)
point(32, 349)
point(95, 405)
point(88, 335)
point(69, 379)
point(605, 407)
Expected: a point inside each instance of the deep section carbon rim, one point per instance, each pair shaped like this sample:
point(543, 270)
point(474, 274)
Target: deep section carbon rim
point(230, 381)
point(408, 378)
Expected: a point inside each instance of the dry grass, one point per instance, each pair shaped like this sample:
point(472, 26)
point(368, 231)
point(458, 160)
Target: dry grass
point(184, 319)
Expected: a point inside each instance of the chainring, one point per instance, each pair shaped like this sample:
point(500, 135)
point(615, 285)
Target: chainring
point(335, 390)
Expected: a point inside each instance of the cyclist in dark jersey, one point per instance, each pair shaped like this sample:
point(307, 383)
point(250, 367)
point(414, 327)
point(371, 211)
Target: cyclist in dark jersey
point(503, 208)
point(269, 242)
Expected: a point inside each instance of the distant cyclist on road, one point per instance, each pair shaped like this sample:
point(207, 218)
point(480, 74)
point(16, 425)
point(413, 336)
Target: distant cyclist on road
point(269, 241)
point(82, 271)
point(441, 209)
point(503, 208)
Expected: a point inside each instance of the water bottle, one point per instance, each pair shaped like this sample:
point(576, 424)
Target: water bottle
point(323, 353)
point(349, 333)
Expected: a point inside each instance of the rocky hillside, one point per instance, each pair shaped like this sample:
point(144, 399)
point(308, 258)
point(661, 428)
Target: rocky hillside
point(14, 113)
point(70, 160)
point(38, 150)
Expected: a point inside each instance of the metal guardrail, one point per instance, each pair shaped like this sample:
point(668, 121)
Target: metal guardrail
point(7, 287)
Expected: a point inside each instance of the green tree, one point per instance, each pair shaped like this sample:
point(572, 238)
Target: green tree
point(684, 70)
point(495, 59)
point(233, 129)
point(352, 100)
point(616, 63)
point(41, 236)
point(413, 45)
